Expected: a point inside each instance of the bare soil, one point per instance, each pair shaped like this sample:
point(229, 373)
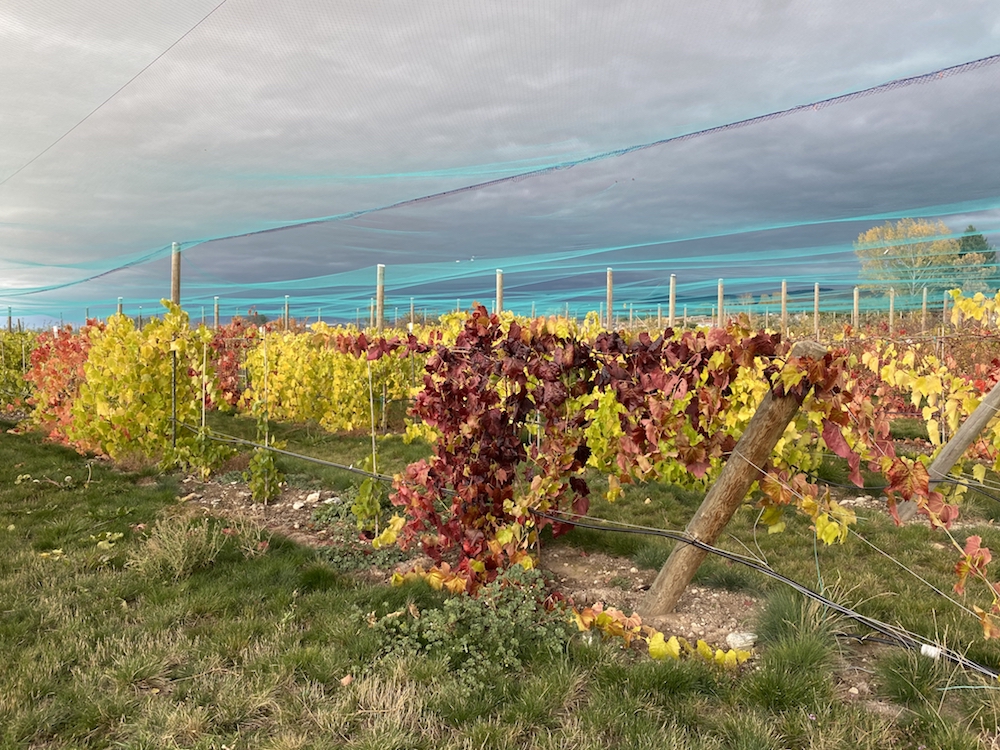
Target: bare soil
point(584, 578)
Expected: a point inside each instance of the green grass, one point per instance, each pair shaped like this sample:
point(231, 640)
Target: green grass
point(186, 632)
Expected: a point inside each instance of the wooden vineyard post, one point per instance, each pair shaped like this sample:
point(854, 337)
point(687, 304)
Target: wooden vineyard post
point(215, 323)
point(722, 312)
point(379, 296)
point(784, 309)
point(727, 494)
point(965, 436)
point(609, 302)
point(892, 310)
point(175, 274)
point(923, 312)
point(855, 317)
point(816, 310)
point(672, 304)
point(499, 308)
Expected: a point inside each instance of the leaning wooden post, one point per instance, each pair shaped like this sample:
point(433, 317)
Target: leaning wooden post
point(175, 274)
point(966, 435)
point(722, 313)
point(892, 310)
point(499, 291)
point(784, 309)
point(728, 492)
point(856, 317)
point(609, 304)
point(816, 310)
point(379, 296)
point(672, 306)
point(923, 312)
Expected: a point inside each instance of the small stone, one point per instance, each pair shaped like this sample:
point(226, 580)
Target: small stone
point(854, 691)
point(741, 640)
point(295, 525)
point(633, 570)
point(312, 497)
point(298, 505)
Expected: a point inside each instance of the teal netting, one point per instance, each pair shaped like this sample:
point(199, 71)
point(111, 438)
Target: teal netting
point(290, 148)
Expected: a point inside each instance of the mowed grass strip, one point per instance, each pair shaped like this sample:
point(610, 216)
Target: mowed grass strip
point(128, 620)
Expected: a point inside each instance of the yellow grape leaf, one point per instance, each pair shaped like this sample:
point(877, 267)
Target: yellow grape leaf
point(934, 431)
point(435, 580)
point(827, 530)
point(979, 472)
point(614, 488)
point(388, 536)
point(505, 535)
point(771, 517)
point(705, 651)
point(659, 648)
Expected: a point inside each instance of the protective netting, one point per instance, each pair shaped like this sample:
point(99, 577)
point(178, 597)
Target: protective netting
point(292, 147)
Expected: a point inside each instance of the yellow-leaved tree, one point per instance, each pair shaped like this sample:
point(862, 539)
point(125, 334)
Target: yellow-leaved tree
point(912, 254)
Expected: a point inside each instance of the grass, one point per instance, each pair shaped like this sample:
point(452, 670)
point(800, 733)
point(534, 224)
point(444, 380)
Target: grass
point(189, 632)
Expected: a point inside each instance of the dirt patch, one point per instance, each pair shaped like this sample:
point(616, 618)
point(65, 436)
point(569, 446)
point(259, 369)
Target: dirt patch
point(702, 613)
point(584, 578)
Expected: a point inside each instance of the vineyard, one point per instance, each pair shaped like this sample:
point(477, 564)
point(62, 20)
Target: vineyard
point(526, 428)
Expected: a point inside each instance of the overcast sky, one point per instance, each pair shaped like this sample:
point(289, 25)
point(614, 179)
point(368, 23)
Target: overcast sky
point(268, 115)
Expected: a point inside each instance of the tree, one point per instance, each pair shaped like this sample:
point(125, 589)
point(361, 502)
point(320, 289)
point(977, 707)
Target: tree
point(973, 242)
point(915, 253)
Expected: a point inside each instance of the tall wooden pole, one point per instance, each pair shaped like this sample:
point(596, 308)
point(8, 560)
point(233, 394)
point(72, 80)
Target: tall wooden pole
point(175, 274)
point(966, 435)
point(722, 313)
point(923, 311)
point(784, 309)
point(672, 306)
point(609, 303)
point(892, 309)
point(216, 316)
point(499, 291)
point(728, 493)
point(120, 307)
point(379, 296)
point(287, 319)
point(816, 310)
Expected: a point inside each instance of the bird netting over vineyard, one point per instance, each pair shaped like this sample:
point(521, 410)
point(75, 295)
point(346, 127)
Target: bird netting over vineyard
point(290, 147)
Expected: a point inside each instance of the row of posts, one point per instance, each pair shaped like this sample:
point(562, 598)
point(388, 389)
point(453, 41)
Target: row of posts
point(377, 312)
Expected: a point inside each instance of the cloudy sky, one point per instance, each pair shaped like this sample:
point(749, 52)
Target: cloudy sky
point(292, 146)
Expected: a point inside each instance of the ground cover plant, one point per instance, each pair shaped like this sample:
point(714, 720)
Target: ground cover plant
point(129, 621)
